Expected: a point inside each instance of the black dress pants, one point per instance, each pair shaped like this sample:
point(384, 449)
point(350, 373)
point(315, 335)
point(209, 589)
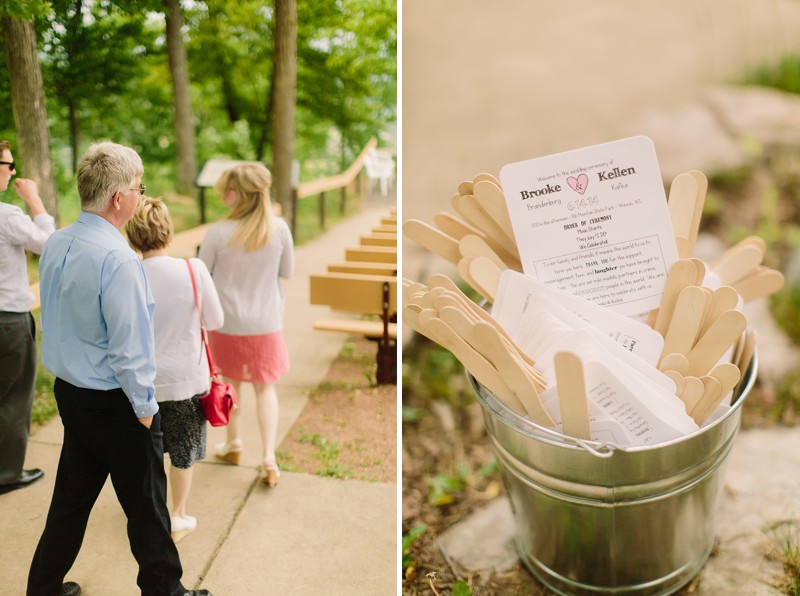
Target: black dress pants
point(102, 436)
point(17, 379)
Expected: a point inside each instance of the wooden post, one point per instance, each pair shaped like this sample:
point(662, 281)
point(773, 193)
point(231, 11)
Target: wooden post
point(294, 211)
point(322, 209)
point(202, 205)
point(344, 199)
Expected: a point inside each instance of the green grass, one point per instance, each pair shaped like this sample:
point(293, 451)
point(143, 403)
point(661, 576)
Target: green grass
point(328, 454)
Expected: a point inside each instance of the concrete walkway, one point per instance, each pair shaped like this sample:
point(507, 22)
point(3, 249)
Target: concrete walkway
point(309, 536)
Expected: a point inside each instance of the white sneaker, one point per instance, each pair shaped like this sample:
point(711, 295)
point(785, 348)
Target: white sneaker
point(181, 526)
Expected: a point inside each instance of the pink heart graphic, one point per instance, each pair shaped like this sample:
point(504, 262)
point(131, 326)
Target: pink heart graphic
point(578, 184)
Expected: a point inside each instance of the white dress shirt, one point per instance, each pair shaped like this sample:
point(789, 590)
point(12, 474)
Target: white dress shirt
point(19, 233)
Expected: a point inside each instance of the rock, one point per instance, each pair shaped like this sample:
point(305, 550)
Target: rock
point(484, 540)
point(688, 138)
point(771, 116)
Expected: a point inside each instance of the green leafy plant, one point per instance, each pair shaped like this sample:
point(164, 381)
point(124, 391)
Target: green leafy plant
point(408, 539)
point(442, 488)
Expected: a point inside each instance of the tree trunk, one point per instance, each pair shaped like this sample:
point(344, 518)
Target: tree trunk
point(285, 88)
point(184, 126)
point(74, 133)
point(27, 104)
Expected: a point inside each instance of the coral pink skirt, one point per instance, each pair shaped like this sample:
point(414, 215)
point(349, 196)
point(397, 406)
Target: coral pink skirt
point(250, 358)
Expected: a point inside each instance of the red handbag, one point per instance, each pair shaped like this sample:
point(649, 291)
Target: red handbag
point(221, 398)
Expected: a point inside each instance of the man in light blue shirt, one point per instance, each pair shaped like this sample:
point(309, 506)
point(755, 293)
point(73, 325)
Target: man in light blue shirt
point(98, 341)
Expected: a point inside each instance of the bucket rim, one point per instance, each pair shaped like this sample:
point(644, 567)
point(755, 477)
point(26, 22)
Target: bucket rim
point(598, 448)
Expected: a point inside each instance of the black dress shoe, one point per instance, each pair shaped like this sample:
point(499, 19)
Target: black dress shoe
point(70, 589)
point(27, 478)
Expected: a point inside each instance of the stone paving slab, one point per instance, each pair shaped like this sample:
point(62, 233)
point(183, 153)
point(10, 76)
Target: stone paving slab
point(313, 536)
point(310, 535)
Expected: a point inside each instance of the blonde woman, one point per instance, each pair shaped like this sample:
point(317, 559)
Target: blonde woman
point(247, 254)
point(182, 374)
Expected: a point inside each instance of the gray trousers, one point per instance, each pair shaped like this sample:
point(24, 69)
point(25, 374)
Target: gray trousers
point(17, 380)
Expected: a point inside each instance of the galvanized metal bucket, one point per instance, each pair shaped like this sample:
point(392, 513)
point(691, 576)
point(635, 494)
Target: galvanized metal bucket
point(594, 519)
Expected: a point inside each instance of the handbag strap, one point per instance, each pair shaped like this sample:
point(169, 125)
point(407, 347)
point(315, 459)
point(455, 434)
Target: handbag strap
point(212, 370)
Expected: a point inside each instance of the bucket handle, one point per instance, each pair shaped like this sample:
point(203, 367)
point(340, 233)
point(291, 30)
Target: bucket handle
point(604, 452)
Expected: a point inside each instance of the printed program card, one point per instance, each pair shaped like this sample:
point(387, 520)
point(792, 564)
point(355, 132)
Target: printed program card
point(594, 222)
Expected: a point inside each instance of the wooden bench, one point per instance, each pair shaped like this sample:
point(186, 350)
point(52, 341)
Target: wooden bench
point(372, 254)
point(389, 240)
point(364, 268)
point(364, 295)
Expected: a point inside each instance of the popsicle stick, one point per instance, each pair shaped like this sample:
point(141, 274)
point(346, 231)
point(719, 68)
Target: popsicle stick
point(493, 201)
point(454, 199)
point(488, 177)
point(684, 247)
point(474, 213)
point(449, 299)
point(712, 394)
point(459, 322)
point(682, 196)
point(476, 364)
point(486, 274)
point(700, 198)
point(465, 188)
point(756, 241)
point(572, 397)
point(737, 263)
point(761, 283)
point(701, 271)
point(474, 246)
point(722, 334)
point(677, 362)
point(514, 372)
point(453, 226)
point(746, 355)
point(456, 228)
point(435, 241)
point(454, 292)
point(681, 274)
point(411, 318)
point(685, 323)
point(466, 275)
point(678, 379)
point(727, 375)
point(725, 298)
point(692, 392)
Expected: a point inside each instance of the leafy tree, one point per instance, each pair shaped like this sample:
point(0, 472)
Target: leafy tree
point(27, 96)
point(94, 56)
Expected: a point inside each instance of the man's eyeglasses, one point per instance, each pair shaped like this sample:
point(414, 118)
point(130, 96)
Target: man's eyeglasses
point(141, 189)
point(11, 165)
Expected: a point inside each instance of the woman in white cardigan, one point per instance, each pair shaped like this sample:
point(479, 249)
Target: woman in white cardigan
point(182, 368)
point(248, 253)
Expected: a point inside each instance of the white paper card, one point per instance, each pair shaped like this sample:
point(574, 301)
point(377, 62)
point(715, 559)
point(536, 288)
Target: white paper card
point(594, 222)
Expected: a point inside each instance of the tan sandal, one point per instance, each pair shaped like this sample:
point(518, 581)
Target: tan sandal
point(229, 452)
point(271, 474)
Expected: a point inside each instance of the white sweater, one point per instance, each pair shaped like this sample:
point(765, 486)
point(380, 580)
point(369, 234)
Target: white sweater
point(248, 282)
point(180, 355)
